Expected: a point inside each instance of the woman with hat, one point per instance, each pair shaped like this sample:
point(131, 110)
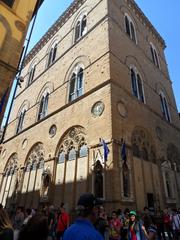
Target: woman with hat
point(136, 231)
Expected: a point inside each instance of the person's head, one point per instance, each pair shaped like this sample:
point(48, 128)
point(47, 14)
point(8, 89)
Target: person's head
point(132, 216)
point(146, 209)
point(4, 220)
point(101, 209)
point(87, 206)
point(166, 210)
point(28, 211)
point(62, 207)
point(51, 208)
point(114, 215)
point(36, 228)
point(19, 210)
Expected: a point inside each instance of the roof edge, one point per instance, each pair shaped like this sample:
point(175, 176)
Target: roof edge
point(147, 21)
point(76, 4)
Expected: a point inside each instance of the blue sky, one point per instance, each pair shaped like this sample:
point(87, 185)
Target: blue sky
point(163, 15)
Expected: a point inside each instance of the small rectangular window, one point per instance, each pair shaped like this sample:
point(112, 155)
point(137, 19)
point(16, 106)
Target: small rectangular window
point(8, 2)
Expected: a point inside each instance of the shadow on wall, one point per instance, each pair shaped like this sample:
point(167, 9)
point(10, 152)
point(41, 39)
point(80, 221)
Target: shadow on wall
point(69, 193)
point(55, 194)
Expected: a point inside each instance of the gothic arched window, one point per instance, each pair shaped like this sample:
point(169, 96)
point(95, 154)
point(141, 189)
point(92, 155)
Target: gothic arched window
point(43, 107)
point(76, 84)
point(81, 27)
point(72, 154)
point(52, 55)
point(83, 152)
point(31, 74)
point(137, 86)
point(61, 158)
point(154, 55)
point(7, 187)
point(20, 122)
point(164, 107)
point(130, 29)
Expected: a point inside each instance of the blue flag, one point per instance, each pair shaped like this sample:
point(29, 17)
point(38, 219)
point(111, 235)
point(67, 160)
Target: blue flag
point(106, 150)
point(123, 152)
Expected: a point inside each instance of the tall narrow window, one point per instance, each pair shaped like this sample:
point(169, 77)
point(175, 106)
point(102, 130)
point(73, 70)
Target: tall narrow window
point(52, 55)
point(77, 31)
point(168, 185)
point(133, 83)
point(72, 87)
point(31, 75)
point(20, 122)
point(83, 152)
point(130, 29)
point(140, 88)
point(126, 180)
point(98, 180)
point(154, 55)
point(133, 36)
point(72, 154)
point(61, 158)
point(81, 27)
point(136, 84)
point(164, 107)
point(43, 107)
point(127, 26)
point(79, 82)
point(76, 84)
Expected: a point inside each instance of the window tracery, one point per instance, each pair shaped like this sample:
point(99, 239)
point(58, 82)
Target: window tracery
point(142, 146)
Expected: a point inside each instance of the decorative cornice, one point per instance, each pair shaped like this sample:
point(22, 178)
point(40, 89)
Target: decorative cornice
point(146, 21)
point(75, 5)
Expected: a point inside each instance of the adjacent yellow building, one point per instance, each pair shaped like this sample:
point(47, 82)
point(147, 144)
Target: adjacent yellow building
point(15, 16)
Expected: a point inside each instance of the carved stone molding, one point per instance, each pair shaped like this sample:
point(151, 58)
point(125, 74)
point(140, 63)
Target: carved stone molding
point(73, 139)
point(142, 144)
point(36, 154)
point(12, 162)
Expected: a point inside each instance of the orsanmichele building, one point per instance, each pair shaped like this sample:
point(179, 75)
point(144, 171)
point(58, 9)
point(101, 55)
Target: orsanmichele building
point(99, 72)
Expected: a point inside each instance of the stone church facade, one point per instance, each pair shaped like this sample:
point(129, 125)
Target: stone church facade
point(98, 73)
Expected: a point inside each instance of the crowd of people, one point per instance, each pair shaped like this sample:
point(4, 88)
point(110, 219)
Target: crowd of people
point(91, 223)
